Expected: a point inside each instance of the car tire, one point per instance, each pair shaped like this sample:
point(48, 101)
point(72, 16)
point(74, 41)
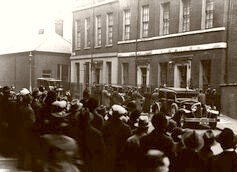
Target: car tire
point(173, 110)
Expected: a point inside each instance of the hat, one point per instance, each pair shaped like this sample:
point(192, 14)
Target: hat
point(143, 122)
point(118, 109)
point(24, 91)
point(192, 140)
point(159, 121)
point(61, 142)
point(209, 138)
point(36, 93)
point(226, 138)
point(76, 105)
point(177, 133)
point(58, 109)
point(92, 103)
point(61, 104)
point(51, 97)
point(101, 109)
point(154, 158)
point(132, 105)
point(6, 89)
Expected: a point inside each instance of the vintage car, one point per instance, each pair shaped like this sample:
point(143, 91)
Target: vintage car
point(182, 105)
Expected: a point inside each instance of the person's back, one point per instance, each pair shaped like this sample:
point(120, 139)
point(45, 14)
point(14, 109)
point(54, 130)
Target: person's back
point(227, 160)
point(158, 139)
point(115, 134)
point(188, 159)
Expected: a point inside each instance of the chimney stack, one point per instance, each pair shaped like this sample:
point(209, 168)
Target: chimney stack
point(59, 27)
point(41, 31)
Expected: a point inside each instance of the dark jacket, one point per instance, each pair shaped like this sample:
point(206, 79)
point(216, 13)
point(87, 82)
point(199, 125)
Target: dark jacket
point(224, 162)
point(115, 134)
point(189, 161)
point(158, 140)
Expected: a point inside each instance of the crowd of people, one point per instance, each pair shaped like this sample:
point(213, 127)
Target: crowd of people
point(50, 133)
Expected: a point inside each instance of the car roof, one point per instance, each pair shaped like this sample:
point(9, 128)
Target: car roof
point(176, 89)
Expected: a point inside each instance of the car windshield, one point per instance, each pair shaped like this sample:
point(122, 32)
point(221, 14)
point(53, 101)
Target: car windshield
point(187, 95)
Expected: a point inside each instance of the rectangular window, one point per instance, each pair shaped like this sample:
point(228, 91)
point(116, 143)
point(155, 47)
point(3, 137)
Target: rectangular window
point(145, 21)
point(165, 19)
point(46, 73)
point(109, 72)
point(163, 74)
point(87, 72)
point(109, 30)
point(78, 75)
point(64, 74)
point(87, 32)
point(125, 73)
point(209, 14)
point(126, 24)
point(78, 34)
point(98, 31)
point(186, 15)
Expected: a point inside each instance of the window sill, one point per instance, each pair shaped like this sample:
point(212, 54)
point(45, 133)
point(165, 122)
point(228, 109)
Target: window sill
point(77, 49)
point(97, 46)
point(109, 45)
point(87, 48)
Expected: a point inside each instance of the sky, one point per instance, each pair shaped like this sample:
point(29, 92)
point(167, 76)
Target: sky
point(22, 18)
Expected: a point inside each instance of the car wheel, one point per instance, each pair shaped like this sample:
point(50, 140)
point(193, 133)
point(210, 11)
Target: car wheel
point(173, 110)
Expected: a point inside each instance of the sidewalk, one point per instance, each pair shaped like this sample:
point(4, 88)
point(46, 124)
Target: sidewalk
point(227, 122)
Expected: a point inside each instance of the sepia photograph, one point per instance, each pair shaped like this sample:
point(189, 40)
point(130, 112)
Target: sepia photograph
point(118, 86)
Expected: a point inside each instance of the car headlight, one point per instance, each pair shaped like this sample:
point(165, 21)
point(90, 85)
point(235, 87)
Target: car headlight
point(194, 108)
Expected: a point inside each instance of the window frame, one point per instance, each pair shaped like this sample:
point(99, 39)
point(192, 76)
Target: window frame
point(87, 32)
point(209, 14)
point(165, 19)
point(145, 18)
point(126, 24)
point(109, 28)
point(98, 31)
point(78, 34)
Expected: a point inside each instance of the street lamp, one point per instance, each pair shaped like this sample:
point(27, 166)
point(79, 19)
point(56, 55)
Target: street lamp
point(30, 59)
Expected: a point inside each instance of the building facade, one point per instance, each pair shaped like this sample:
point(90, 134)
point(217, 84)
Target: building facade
point(42, 56)
point(150, 43)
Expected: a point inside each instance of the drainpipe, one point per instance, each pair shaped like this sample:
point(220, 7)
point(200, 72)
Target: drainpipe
point(226, 77)
point(137, 36)
point(92, 42)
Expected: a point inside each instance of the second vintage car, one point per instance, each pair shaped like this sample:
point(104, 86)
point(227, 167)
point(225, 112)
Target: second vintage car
point(182, 105)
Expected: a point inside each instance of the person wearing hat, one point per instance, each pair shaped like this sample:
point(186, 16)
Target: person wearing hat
point(133, 113)
point(97, 121)
point(105, 96)
point(42, 117)
point(36, 104)
point(115, 134)
point(156, 161)
point(206, 152)
point(188, 159)
point(158, 138)
point(59, 151)
point(133, 144)
point(176, 135)
point(24, 130)
point(226, 161)
point(91, 143)
point(74, 112)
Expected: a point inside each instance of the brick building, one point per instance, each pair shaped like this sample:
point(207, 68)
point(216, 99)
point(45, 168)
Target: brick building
point(150, 43)
point(44, 55)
